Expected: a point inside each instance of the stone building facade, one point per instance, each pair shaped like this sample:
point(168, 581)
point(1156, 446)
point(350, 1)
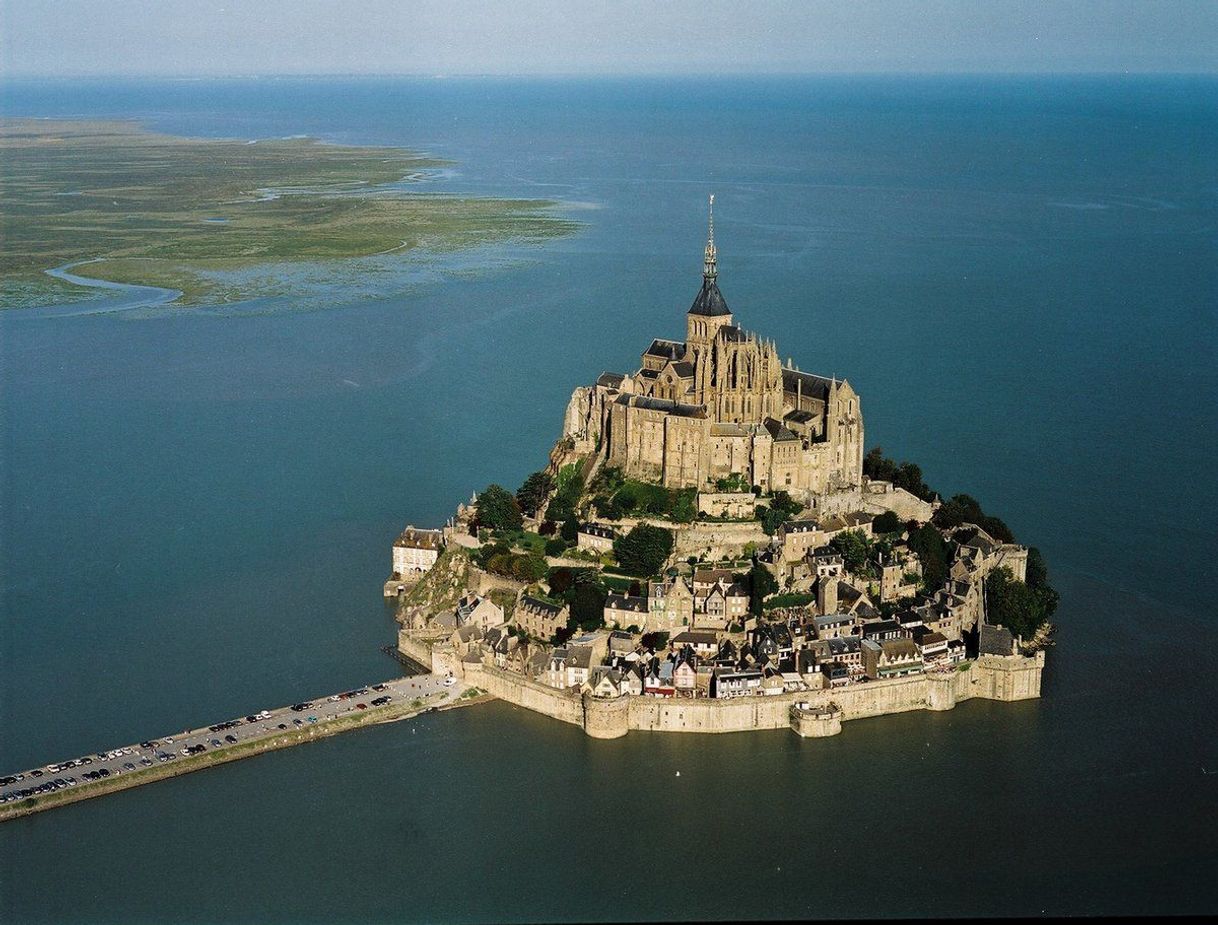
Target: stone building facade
point(721, 404)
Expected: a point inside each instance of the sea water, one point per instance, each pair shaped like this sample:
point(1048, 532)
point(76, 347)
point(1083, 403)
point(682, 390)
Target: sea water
point(1017, 275)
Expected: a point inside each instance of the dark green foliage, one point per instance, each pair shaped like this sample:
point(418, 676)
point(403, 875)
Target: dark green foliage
point(1017, 606)
point(654, 641)
point(547, 528)
point(965, 509)
point(734, 482)
point(570, 489)
point(888, 522)
point(1037, 572)
point(905, 475)
point(685, 506)
point(570, 529)
point(761, 585)
point(562, 579)
point(781, 509)
point(643, 550)
point(855, 548)
point(930, 547)
point(532, 494)
point(497, 509)
point(587, 600)
point(555, 547)
point(484, 554)
point(524, 567)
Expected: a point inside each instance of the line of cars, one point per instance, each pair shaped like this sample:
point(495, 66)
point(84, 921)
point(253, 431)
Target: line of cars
point(156, 748)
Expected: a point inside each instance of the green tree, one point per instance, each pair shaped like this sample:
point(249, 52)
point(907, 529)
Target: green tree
point(761, 585)
point(561, 580)
point(587, 603)
point(532, 494)
point(528, 568)
point(655, 641)
point(643, 550)
point(555, 547)
point(931, 549)
point(888, 522)
point(685, 506)
point(497, 509)
point(854, 548)
point(570, 529)
point(1017, 606)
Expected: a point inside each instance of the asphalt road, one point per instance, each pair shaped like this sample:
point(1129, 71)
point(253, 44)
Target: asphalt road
point(259, 724)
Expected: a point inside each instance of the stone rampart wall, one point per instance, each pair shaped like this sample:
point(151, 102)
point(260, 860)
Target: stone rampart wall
point(414, 648)
point(514, 688)
point(990, 677)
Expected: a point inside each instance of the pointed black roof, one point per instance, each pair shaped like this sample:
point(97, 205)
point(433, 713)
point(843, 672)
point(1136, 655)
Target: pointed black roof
point(710, 301)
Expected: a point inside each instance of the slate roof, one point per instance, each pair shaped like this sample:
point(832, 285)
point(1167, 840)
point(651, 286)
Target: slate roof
point(778, 431)
point(413, 538)
point(662, 404)
point(683, 369)
point(808, 384)
point(626, 602)
point(610, 380)
point(668, 349)
point(539, 606)
point(709, 301)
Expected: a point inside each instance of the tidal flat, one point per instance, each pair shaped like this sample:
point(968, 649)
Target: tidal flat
point(190, 214)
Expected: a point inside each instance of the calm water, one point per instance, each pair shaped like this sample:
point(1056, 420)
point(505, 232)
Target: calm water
point(1018, 276)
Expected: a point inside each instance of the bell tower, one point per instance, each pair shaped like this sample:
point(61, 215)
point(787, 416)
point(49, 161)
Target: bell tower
point(709, 312)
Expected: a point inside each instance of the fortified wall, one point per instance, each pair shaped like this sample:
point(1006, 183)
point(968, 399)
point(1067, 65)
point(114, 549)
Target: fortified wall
point(809, 713)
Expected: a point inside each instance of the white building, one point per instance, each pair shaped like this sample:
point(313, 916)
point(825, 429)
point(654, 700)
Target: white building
point(416, 551)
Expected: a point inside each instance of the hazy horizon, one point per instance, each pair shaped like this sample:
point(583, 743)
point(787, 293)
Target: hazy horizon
point(544, 38)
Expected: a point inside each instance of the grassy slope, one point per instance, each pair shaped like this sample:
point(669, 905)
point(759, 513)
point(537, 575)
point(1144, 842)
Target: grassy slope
point(76, 190)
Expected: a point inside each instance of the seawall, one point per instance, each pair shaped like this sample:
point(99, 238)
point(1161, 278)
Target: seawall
point(989, 678)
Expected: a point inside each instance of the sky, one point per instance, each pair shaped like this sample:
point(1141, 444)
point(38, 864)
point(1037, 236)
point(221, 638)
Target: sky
point(538, 37)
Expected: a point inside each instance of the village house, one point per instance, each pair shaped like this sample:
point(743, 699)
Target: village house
point(685, 677)
point(670, 605)
point(931, 646)
point(703, 643)
point(540, 619)
point(890, 658)
point(596, 538)
point(479, 611)
point(727, 683)
point(624, 610)
point(658, 680)
point(416, 551)
point(833, 625)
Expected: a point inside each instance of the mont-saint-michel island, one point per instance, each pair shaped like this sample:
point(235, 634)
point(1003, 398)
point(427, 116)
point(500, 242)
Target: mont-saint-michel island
point(710, 549)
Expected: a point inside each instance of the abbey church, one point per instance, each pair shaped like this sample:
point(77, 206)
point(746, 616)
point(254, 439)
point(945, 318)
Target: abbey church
point(721, 404)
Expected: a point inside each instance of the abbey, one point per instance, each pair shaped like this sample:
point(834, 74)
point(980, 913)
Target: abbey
point(721, 404)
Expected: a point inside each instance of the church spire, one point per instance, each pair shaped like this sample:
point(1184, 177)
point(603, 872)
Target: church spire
point(710, 268)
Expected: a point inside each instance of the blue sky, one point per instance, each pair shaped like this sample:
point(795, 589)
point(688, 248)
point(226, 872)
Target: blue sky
point(243, 37)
